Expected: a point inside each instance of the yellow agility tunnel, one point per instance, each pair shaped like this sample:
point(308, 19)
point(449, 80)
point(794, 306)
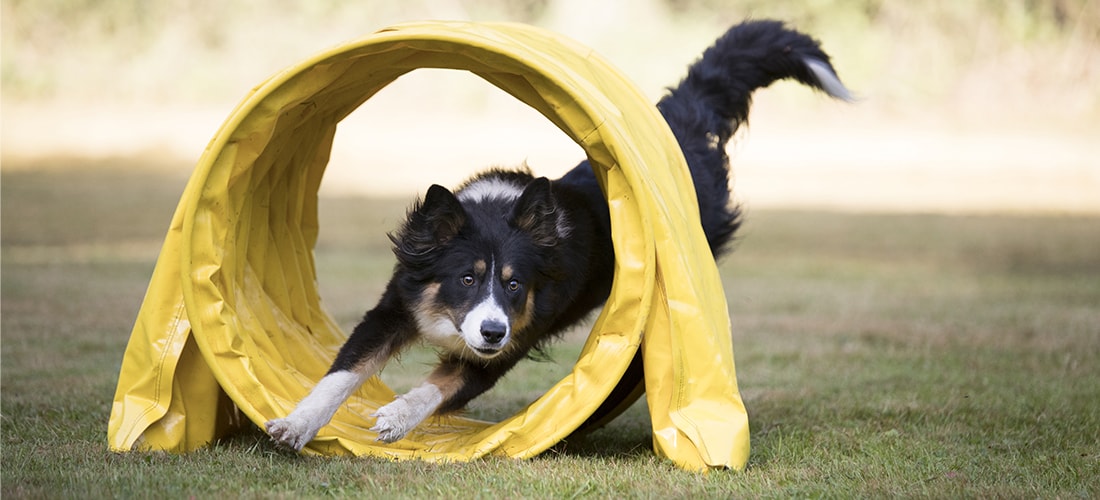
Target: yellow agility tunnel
point(232, 328)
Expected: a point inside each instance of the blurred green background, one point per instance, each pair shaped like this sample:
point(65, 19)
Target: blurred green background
point(970, 106)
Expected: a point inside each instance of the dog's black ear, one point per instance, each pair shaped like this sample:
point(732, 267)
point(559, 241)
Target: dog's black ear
point(537, 214)
point(430, 224)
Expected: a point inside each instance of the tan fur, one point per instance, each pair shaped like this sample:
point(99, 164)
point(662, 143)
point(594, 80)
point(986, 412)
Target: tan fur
point(371, 364)
point(448, 379)
point(425, 308)
point(521, 322)
point(427, 299)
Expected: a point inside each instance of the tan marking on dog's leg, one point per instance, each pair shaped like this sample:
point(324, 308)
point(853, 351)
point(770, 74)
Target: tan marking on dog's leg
point(448, 379)
point(371, 365)
point(395, 420)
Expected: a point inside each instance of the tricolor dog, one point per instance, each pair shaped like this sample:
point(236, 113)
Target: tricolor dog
point(499, 266)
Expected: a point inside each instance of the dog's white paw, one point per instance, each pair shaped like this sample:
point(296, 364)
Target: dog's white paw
point(396, 419)
point(291, 431)
point(313, 412)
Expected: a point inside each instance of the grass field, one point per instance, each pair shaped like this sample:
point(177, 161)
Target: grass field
point(879, 355)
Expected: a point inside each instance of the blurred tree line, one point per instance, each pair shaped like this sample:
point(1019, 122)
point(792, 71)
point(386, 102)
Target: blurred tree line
point(119, 48)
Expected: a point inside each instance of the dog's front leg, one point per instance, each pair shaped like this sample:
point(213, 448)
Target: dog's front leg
point(316, 409)
point(452, 384)
point(396, 419)
point(383, 331)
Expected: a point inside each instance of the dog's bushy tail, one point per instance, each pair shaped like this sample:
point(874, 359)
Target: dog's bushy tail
point(752, 55)
point(713, 100)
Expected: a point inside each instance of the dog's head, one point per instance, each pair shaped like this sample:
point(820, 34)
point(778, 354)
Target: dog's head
point(476, 261)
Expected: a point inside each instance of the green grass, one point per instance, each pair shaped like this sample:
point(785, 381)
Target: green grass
point(879, 355)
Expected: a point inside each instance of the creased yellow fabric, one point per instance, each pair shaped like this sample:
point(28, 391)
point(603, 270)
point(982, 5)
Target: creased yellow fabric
point(232, 324)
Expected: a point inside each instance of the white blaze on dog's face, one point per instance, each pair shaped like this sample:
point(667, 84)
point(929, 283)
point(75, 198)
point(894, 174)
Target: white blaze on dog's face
point(487, 242)
point(486, 327)
point(476, 311)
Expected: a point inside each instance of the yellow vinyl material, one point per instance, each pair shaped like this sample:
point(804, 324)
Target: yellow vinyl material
point(232, 328)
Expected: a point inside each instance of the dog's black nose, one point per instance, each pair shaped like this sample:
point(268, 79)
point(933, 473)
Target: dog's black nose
point(493, 331)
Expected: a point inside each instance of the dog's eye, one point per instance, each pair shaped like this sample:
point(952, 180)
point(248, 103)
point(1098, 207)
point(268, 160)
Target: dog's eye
point(468, 280)
point(513, 285)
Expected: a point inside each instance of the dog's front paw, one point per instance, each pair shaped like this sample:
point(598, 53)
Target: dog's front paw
point(290, 431)
point(396, 419)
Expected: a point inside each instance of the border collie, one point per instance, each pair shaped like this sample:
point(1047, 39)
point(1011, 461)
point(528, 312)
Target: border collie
point(501, 265)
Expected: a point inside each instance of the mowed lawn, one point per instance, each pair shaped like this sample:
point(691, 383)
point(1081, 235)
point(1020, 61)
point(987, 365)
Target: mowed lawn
point(879, 355)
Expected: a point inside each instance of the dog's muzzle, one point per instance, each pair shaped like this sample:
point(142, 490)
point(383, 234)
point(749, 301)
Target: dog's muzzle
point(494, 334)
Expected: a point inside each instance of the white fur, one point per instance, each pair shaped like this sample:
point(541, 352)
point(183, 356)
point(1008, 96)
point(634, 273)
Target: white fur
point(499, 189)
point(316, 409)
point(487, 310)
point(563, 226)
point(439, 331)
point(829, 81)
point(489, 188)
point(396, 419)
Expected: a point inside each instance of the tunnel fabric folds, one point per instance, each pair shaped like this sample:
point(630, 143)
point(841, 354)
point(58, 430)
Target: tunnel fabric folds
point(232, 328)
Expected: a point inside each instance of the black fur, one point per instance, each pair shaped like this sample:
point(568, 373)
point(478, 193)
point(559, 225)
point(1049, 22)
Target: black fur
point(552, 238)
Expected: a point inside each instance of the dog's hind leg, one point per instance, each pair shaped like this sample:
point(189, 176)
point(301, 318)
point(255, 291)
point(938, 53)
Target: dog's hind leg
point(383, 331)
